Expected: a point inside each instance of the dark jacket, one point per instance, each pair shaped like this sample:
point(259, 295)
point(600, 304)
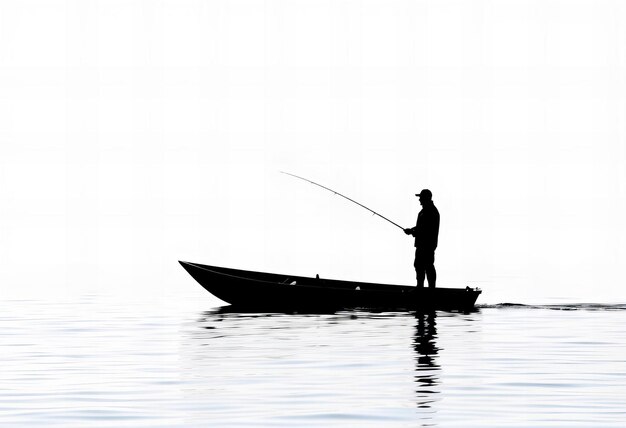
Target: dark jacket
point(426, 230)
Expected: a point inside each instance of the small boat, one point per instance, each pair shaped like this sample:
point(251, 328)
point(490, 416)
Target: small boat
point(270, 291)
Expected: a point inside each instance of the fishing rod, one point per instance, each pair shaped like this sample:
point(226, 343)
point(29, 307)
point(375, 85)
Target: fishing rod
point(343, 196)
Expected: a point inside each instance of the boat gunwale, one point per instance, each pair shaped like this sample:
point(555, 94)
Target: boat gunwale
point(328, 283)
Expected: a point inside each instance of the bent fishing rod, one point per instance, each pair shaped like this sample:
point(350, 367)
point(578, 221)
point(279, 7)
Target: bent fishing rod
point(345, 197)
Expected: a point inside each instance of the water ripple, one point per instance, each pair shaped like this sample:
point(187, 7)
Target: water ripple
point(109, 363)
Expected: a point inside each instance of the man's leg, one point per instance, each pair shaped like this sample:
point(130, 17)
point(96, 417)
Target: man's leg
point(420, 269)
point(421, 276)
point(431, 273)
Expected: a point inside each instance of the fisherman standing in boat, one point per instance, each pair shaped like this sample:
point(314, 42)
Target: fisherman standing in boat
point(426, 233)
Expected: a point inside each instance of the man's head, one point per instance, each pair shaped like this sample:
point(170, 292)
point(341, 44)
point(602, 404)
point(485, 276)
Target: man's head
point(425, 196)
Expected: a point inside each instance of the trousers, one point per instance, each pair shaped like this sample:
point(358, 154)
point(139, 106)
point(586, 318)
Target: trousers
point(425, 267)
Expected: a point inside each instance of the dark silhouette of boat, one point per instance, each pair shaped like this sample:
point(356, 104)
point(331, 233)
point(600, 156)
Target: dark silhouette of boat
point(269, 291)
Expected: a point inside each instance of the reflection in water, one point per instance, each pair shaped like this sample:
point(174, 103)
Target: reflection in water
point(333, 367)
point(426, 365)
point(181, 368)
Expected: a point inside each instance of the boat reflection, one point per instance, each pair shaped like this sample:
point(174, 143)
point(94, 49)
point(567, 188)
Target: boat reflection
point(427, 368)
point(318, 348)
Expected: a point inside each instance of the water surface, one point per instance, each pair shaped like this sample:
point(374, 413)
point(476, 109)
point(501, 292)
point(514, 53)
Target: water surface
point(109, 362)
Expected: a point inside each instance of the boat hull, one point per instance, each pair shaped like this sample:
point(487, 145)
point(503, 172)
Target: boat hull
point(269, 291)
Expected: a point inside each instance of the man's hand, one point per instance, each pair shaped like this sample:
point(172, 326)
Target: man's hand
point(407, 231)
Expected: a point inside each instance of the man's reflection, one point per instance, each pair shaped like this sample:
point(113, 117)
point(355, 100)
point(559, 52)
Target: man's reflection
point(426, 365)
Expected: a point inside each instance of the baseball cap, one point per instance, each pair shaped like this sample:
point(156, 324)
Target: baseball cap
point(425, 192)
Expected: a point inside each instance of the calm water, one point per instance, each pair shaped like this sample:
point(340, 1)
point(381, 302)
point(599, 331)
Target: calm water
point(99, 361)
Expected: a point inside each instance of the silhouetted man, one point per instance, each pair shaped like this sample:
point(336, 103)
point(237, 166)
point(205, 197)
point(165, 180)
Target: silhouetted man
point(426, 233)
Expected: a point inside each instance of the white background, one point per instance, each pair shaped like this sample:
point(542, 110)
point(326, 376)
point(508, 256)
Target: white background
point(137, 133)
